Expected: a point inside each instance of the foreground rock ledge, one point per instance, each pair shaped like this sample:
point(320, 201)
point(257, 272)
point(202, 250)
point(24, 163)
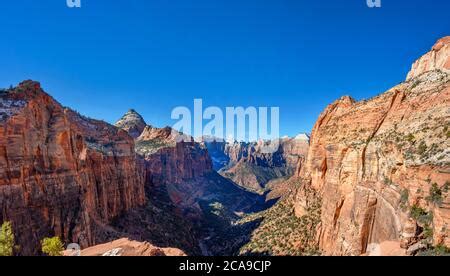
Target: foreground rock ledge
point(126, 247)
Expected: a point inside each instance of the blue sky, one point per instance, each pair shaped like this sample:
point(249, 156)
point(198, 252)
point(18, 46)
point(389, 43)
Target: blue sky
point(152, 56)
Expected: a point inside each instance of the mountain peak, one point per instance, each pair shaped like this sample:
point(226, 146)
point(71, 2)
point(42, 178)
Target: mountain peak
point(132, 122)
point(436, 59)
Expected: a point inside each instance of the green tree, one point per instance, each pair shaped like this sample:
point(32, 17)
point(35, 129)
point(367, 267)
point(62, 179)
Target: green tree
point(52, 246)
point(6, 239)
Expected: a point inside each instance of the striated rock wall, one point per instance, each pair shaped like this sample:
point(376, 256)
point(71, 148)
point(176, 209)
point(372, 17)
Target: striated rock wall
point(437, 58)
point(60, 173)
point(249, 166)
point(382, 166)
point(287, 155)
point(169, 161)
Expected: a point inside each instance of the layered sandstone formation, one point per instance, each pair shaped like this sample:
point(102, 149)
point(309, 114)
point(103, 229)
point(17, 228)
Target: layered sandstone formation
point(437, 59)
point(251, 167)
point(61, 173)
point(126, 247)
point(382, 166)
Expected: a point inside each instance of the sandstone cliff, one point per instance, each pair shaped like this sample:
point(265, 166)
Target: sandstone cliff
point(61, 173)
point(437, 58)
point(250, 167)
point(382, 166)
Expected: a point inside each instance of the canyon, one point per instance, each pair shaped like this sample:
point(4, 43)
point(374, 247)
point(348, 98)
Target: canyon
point(371, 179)
point(246, 164)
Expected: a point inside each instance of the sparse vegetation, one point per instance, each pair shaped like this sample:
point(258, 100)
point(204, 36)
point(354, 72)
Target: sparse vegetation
point(422, 148)
point(6, 239)
point(415, 84)
point(420, 215)
point(439, 250)
point(52, 246)
point(410, 138)
point(404, 196)
point(387, 181)
point(150, 146)
point(283, 233)
point(435, 196)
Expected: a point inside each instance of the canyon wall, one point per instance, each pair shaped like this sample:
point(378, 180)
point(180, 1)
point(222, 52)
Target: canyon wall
point(61, 173)
point(250, 167)
point(382, 166)
point(437, 59)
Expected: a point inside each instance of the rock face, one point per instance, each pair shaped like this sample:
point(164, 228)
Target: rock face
point(382, 166)
point(61, 173)
point(126, 247)
point(249, 166)
point(170, 159)
point(437, 58)
point(132, 122)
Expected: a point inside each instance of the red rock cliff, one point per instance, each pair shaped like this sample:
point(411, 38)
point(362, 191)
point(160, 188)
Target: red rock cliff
point(382, 166)
point(60, 173)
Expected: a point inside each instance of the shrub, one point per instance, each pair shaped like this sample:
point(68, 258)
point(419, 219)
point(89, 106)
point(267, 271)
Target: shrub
point(428, 232)
point(404, 196)
point(410, 137)
point(415, 84)
point(439, 250)
point(420, 215)
point(422, 148)
point(446, 187)
point(387, 181)
point(435, 196)
point(52, 246)
point(6, 239)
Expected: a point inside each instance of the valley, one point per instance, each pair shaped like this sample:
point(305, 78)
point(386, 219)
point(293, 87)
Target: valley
point(372, 177)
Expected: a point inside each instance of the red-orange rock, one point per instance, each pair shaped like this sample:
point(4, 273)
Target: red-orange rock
point(371, 161)
point(61, 173)
point(437, 58)
point(126, 247)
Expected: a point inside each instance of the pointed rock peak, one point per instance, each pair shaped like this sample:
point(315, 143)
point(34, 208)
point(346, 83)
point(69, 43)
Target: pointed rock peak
point(436, 59)
point(132, 122)
point(132, 111)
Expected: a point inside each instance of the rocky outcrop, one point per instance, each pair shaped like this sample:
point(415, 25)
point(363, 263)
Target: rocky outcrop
point(169, 159)
point(437, 59)
point(126, 247)
point(61, 173)
point(248, 165)
point(382, 166)
point(132, 122)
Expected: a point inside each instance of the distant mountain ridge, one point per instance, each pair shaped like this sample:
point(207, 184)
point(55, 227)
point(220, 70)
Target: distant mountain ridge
point(249, 166)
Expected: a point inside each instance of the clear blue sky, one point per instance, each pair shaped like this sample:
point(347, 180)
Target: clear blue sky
point(113, 55)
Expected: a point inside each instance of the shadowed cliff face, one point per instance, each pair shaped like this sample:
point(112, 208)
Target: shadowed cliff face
point(382, 166)
point(60, 173)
